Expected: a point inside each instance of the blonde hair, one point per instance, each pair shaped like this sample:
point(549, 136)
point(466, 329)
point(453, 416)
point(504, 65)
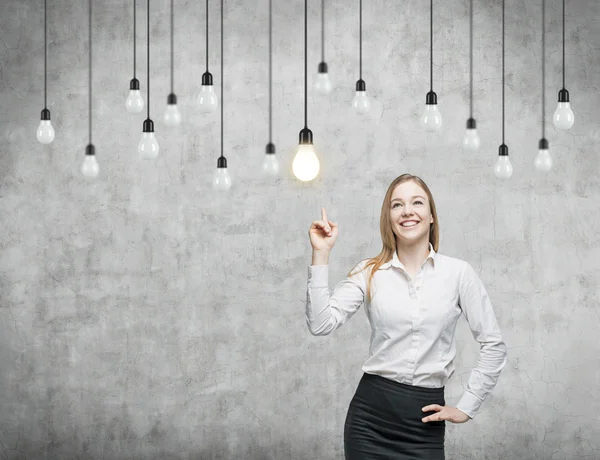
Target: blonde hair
point(385, 227)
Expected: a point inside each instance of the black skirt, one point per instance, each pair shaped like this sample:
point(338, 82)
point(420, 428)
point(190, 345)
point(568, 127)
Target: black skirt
point(384, 422)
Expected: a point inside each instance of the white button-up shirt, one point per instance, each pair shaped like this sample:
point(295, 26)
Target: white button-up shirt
point(413, 321)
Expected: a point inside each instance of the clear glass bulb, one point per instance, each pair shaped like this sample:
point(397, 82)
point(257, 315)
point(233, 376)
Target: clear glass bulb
point(471, 141)
point(306, 164)
point(207, 99)
point(503, 168)
point(563, 116)
point(172, 115)
point(221, 180)
point(135, 101)
point(361, 103)
point(148, 146)
point(89, 167)
point(323, 84)
point(45, 132)
point(431, 120)
point(543, 161)
point(270, 165)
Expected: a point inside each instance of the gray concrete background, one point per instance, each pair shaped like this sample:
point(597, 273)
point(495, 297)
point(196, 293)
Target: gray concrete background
point(141, 316)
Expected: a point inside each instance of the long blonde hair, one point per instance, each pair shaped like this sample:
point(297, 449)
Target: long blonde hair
point(385, 227)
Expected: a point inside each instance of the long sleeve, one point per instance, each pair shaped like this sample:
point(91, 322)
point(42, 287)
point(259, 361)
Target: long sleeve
point(479, 313)
point(324, 312)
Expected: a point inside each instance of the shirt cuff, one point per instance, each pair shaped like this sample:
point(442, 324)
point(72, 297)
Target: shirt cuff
point(469, 404)
point(318, 276)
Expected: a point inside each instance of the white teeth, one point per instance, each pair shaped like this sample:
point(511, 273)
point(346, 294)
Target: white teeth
point(409, 224)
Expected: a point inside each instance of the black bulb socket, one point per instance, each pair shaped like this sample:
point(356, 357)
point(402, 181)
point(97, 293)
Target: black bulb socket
point(171, 99)
point(45, 114)
point(431, 98)
point(361, 86)
point(270, 148)
point(306, 136)
point(222, 162)
point(322, 67)
point(503, 150)
point(207, 79)
point(90, 149)
point(543, 144)
point(134, 84)
point(148, 126)
point(563, 95)
point(471, 123)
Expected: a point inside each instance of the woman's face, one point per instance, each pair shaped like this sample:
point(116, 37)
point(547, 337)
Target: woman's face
point(410, 203)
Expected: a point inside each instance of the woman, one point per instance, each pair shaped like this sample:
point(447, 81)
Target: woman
point(413, 298)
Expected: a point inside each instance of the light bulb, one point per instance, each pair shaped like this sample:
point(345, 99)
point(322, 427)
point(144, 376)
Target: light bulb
point(89, 167)
point(135, 101)
point(172, 115)
point(45, 132)
point(270, 165)
point(306, 164)
point(431, 120)
point(148, 146)
point(207, 99)
point(563, 116)
point(221, 180)
point(471, 141)
point(503, 169)
point(361, 103)
point(543, 160)
point(323, 83)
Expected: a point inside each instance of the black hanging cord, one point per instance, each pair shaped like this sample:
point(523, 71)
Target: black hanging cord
point(222, 79)
point(543, 68)
point(360, 38)
point(270, 72)
point(502, 71)
point(45, 56)
point(471, 61)
point(431, 45)
point(172, 33)
point(134, 21)
point(305, 62)
point(207, 35)
point(563, 37)
point(148, 45)
point(322, 30)
point(90, 72)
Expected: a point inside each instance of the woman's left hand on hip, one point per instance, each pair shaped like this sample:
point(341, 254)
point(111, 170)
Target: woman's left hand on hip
point(452, 414)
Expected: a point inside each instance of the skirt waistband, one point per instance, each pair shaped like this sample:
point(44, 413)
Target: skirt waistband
point(402, 387)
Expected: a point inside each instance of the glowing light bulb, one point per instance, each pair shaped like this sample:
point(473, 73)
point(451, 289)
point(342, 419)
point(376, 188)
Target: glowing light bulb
point(323, 84)
point(134, 102)
point(503, 169)
point(89, 167)
point(543, 161)
point(306, 164)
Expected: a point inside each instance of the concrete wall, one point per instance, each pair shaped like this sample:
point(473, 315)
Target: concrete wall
point(142, 316)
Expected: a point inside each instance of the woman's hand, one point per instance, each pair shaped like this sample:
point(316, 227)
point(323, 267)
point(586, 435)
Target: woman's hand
point(452, 414)
point(323, 233)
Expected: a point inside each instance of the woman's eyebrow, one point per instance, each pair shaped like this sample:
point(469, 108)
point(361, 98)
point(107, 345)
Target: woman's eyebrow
point(400, 199)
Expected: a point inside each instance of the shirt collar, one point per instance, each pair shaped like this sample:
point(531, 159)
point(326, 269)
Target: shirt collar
point(395, 262)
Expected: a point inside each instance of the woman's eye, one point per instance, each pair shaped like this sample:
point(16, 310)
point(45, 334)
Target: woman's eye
point(418, 201)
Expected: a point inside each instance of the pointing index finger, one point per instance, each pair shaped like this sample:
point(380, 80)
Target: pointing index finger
point(324, 215)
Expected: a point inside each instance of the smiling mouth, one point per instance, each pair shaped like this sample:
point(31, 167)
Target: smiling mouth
point(410, 226)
